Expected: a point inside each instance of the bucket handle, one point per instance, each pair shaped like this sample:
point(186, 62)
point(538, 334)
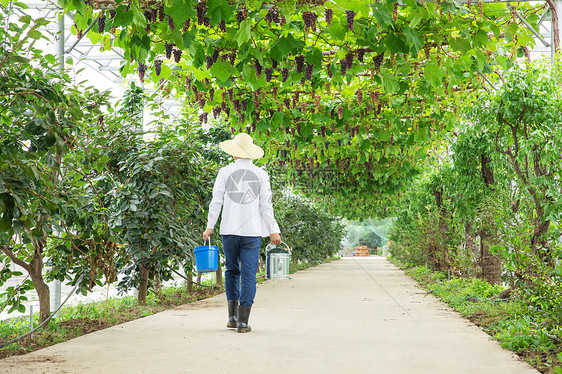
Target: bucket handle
point(275, 245)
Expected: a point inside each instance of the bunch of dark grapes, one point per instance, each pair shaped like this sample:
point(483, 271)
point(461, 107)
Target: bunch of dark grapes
point(329, 70)
point(287, 103)
point(201, 8)
point(177, 55)
point(273, 63)
point(212, 94)
point(222, 26)
point(309, 19)
point(300, 63)
point(141, 69)
point(101, 24)
point(349, 60)
point(285, 74)
point(359, 95)
point(202, 103)
point(158, 67)
point(203, 118)
point(378, 61)
point(216, 112)
point(188, 82)
point(308, 71)
point(395, 12)
point(161, 12)
point(148, 15)
point(169, 48)
point(236, 105)
point(210, 62)
point(112, 13)
point(272, 16)
point(340, 112)
point(274, 91)
point(258, 67)
point(350, 18)
point(230, 94)
point(268, 74)
point(343, 66)
point(244, 105)
point(186, 25)
point(323, 131)
point(361, 54)
point(241, 15)
point(329, 13)
point(171, 23)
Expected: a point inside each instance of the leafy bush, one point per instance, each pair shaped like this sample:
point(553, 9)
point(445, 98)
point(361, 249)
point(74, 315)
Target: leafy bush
point(312, 232)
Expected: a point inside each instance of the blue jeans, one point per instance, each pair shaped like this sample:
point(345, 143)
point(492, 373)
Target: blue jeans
point(242, 257)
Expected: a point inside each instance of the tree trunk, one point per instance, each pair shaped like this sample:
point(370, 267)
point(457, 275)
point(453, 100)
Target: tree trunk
point(489, 263)
point(471, 246)
point(44, 297)
point(35, 270)
point(199, 278)
point(189, 275)
point(143, 286)
point(443, 230)
point(36, 274)
point(219, 276)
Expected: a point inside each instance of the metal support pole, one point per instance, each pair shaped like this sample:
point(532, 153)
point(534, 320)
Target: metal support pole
point(529, 27)
point(558, 4)
point(55, 286)
point(31, 319)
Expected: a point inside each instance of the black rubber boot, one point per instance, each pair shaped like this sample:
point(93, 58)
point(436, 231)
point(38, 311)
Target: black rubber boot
point(232, 314)
point(243, 317)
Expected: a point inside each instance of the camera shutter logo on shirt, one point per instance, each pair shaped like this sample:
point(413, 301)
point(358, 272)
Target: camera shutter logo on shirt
point(242, 186)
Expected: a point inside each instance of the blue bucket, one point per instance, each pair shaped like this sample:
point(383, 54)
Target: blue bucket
point(206, 258)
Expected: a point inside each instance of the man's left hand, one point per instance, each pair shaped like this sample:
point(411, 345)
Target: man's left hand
point(275, 238)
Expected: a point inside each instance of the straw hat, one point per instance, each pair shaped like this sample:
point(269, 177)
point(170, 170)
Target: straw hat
point(242, 146)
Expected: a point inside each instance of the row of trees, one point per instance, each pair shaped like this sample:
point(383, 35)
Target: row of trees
point(492, 208)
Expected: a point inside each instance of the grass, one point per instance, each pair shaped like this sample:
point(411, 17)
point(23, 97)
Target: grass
point(83, 318)
point(513, 323)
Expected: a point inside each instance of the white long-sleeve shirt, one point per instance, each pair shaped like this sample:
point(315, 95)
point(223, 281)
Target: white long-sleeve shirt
point(243, 192)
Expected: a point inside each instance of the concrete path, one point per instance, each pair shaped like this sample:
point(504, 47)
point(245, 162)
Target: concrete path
point(356, 315)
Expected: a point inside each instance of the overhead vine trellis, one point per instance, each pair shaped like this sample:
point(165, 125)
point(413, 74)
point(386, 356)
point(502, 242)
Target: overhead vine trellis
point(362, 88)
